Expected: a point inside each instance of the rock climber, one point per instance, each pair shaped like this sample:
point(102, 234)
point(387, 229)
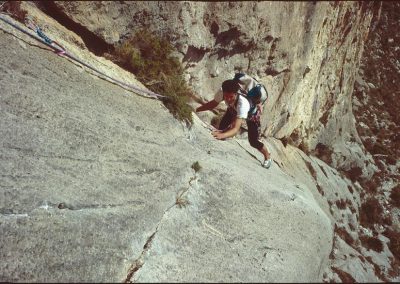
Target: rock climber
point(244, 97)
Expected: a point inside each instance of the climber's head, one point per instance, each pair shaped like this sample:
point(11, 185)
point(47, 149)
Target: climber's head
point(229, 89)
point(230, 86)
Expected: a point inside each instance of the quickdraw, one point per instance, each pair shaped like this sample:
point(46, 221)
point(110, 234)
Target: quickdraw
point(29, 23)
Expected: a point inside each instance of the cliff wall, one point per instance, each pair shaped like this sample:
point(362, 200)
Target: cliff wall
point(306, 53)
point(100, 184)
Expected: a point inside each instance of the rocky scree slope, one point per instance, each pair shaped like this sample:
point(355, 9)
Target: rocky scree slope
point(376, 105)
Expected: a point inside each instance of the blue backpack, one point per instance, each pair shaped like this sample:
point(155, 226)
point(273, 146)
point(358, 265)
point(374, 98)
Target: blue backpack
point(253, 95)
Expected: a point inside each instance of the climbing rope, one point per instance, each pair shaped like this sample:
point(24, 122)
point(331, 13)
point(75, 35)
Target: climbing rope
point(40, 33)
point(41, 37)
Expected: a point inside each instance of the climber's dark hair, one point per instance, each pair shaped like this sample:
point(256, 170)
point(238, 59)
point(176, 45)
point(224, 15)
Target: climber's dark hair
point(230, 86)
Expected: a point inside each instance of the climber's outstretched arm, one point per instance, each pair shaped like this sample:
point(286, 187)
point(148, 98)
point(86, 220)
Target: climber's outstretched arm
point(208, 106)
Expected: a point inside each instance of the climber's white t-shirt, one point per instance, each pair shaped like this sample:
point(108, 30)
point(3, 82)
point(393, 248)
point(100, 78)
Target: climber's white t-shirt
point(242, 107)
point(246, 84)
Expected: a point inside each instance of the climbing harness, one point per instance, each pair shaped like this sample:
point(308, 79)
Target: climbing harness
point(41, 37)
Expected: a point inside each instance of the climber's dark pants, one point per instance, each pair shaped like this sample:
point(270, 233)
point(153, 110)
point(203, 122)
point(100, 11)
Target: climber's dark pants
point(253, 134)
point(252, 127)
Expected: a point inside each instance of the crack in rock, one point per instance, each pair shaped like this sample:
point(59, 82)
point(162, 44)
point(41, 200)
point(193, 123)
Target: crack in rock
point(14, 215)
point(139, 262)
point(64, 205)
point(180, 201)
point(4, 212)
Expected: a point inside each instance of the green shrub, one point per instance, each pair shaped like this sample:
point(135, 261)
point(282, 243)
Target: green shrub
point(379, 148)
point(320, 190)
point(371, 212)
point(324, 153)
point(196, 167)
point(394, 244)
point(311, 170)
point(344, 276)
point(150, 59)
point(372, 243)
point(341, 204)
point(14, 9)
point(182, 202)
point(391, 160)
point(354, 173)
point(387, 220)
point(394, 270)
point(344, 235)
point(395, 196)
point(371, 185)
point(178, 93)
point(350, 189)
point(378, 270)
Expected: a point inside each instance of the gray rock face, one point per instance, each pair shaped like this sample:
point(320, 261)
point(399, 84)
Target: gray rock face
point(91, 175)
point(306, 53)
point(97, 184)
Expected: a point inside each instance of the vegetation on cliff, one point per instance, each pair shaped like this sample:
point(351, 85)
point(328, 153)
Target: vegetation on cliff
point(151, 59)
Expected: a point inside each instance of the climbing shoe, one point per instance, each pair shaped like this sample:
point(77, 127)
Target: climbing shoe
point(267, 163)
